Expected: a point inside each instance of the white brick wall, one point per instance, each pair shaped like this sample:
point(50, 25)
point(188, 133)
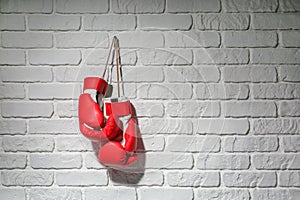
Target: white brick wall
point(216, 86)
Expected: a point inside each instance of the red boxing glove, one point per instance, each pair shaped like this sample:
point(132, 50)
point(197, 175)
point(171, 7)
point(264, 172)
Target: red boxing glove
point(89, 113)
point(111, 131)
point(118, 154)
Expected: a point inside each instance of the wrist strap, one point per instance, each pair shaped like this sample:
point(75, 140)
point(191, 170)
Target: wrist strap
point(108, 57)
point(116, 46)
point(115, 43)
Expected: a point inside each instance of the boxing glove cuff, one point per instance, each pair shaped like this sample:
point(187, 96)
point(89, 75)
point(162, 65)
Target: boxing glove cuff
point(119, 107)
point(95, 83)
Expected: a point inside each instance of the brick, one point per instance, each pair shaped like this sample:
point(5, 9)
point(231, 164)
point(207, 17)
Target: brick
point(26, 74)
point(53, 23)
point(251, 144)
point(66, 109)
point(81, 40)
point(275, 126)
point(97, 57)
point(290, 38)
point(79, 178)
point(73, 143)
point(52, 126)
point(54, 57)
point(148, 109)
point(110, 193)
point(289, 5)
point(12, 23)
point(31, 6)
point(193, 109)
point(166, 57)
point(28, 144)
point(192, 38)
point(250, 109)
point(138, 6)
point(276, 91)
point(141, 74)
point(221, 91)
point(291, 143)
point(221, 126)
point(289, 109)
point(222, 194)
point(55, 161)
point(27, 178)
point(168, 161)
point(165, 22)
point(153, 143)
point(70, 73)
point(165, 126)
point(289, 73)
point(13, 194)
point(193, 179)
point(11, 91)
point(252, 73)
point(137, 39)
point(289, 179)
point(176, 6)
point(222, 21)
point(270, 21)
point(91, 161)
point(53, 91)
point(250, 6)
point(276, 161)
point(165, 193)
point(222, 161)
point(54, 193)
point(12, 161)
point(221, 56)
point(193, 144)
point(165, 91)
point(12, 127)
point(249, 179)
point(249, 38)
point(275, 56)
point(148, 178)
point(279, 194)
point(81, 6)
point(26, 109)
point(12, 57)
point(194, 74)
point(26, 40)
point(109, 22)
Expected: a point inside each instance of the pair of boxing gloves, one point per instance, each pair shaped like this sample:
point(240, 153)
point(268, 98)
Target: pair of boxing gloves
point(117, 134)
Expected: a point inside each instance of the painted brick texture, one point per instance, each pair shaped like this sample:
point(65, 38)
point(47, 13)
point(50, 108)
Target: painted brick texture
point(215, 83)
